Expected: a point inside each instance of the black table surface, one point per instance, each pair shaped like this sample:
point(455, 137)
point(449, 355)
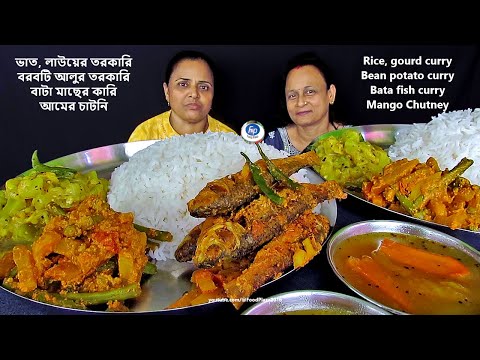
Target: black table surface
point(316, 275)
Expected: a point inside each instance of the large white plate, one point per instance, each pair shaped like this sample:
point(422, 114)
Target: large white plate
point(173, 278)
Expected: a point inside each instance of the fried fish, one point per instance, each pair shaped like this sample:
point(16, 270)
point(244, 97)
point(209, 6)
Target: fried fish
point(257, 223)
point(305, 235)
point(222, 196)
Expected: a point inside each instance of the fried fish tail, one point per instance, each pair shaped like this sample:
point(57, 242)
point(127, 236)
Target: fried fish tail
point(222, 196)
point(327, 190)
point(294, 163)
point(278, 255)
point(259, 222)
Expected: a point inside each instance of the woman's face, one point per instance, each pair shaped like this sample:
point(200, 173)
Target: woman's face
point(307, 96)
point(190, 90)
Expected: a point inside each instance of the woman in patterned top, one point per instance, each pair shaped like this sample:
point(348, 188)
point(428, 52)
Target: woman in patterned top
point(309, 95)
point(189, 90)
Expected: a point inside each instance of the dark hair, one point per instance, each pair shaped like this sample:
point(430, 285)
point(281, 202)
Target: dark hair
point(303, 59)
point(197, 55)
point(309, 58)
point(188, 54)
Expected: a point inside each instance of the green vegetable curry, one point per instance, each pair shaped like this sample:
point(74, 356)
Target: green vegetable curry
point(30, 200)
point(348, 159)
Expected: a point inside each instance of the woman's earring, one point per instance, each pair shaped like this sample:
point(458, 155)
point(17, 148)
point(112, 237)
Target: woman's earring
point(168, 103)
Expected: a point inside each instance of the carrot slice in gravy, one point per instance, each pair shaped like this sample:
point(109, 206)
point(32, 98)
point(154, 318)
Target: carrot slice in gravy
point(372, 271)
point(423, 260)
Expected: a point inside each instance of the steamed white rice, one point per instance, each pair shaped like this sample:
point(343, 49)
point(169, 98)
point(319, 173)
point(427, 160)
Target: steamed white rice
point(448, 137)
point(158, 181)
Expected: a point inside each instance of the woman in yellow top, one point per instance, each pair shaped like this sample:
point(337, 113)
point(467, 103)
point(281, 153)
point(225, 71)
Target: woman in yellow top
point(189, 90)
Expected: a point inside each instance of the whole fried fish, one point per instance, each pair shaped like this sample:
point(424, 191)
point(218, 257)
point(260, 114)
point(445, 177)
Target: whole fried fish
point(222, 196)
point(257, 223)
point(278, 255)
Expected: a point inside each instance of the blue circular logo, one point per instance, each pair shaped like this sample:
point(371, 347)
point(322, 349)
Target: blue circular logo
point(253, 131)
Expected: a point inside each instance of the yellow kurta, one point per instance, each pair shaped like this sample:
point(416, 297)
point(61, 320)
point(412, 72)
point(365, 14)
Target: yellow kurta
point(158, 127)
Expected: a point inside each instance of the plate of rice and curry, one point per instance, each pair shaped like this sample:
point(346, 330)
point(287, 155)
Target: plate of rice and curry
point(161, 226)
point(428, 173)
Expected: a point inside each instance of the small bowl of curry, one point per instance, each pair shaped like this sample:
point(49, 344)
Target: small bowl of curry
point(407, 268)
point(314, 302)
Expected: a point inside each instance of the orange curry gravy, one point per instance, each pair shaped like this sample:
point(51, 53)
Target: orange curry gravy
point(420, 292)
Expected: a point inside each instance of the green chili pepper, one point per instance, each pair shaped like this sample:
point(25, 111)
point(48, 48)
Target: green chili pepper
point(260, 181)
point(276, 172)
point(59, 171)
